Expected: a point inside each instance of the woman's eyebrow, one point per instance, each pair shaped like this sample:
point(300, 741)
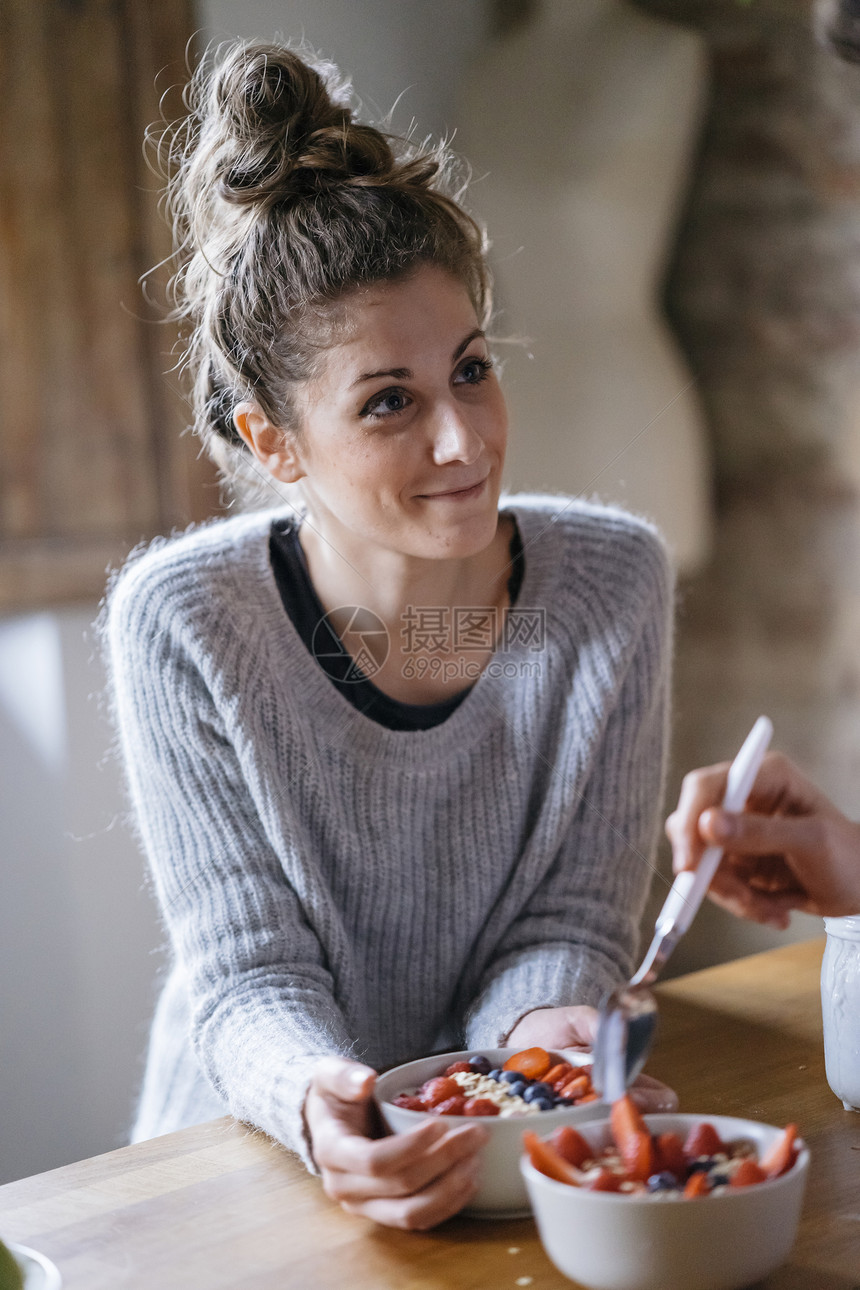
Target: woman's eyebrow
point(473, 335)
point(405, 373)
point(399, 374)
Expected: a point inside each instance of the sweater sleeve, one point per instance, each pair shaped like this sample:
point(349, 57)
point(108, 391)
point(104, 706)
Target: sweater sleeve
point(261, 999)
point(576, 935)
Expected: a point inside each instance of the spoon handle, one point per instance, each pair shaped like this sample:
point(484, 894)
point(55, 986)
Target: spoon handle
point(688, 890)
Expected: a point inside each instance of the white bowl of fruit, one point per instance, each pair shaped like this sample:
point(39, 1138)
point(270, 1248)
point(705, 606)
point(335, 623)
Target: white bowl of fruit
point(509, 1089)
point(666, 1202)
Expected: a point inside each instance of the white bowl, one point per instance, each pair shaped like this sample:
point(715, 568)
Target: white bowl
point(501, 1192)
point(612, 1241)
point(39, 1272)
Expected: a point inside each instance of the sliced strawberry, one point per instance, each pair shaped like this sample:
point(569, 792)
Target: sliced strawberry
point(547, 1161)
point(782, 1154)
point(480, 1106)
point(438, 1089)
point(638, 1156)
point(576, 1088)
point(698, 1184)
point(458, 1067)
point(747, 1174)
point(571, 1146)
point(410, 1103)
point(632, 1138)
point(626, 1118)
point(603, 1180)
point(451, 1106)
point(703, 1140)
point(669, 1153)
point(531, 1062)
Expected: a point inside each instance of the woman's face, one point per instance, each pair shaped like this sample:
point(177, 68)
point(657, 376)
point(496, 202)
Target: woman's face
point(403, 430)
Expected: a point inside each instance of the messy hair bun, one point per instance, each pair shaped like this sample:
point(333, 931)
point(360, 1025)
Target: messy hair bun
point(282, 204)
point(292, 137)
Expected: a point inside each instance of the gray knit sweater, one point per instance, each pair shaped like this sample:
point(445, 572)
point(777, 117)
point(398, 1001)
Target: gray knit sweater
point(332, 886)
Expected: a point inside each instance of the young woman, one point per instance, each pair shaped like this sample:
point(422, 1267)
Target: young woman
point(396, 760)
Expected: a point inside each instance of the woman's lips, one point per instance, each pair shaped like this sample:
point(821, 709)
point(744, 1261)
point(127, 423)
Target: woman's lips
point(470, 490)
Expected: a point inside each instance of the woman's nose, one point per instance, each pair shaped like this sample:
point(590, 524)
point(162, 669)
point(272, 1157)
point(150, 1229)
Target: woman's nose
point(454, 438)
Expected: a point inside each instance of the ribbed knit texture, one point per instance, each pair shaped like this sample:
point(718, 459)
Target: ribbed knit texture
point(330, 886)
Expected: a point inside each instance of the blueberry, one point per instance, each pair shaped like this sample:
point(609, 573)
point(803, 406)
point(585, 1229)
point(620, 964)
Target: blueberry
point(545, 1103)
point(519, 1089)
point(662, 1182)
point(702, 1166)
point(480, 1065)
point(510, 1077)
point(719, 1180)
point(537, 1090)
point(495, 1074)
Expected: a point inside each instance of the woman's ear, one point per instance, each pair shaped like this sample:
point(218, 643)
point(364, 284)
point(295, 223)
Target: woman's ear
point(273, 447)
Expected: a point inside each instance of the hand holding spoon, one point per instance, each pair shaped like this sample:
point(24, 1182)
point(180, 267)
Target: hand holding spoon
point(628, 1016)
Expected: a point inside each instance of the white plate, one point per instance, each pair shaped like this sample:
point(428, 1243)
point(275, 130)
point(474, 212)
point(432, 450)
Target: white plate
point(39, 1272)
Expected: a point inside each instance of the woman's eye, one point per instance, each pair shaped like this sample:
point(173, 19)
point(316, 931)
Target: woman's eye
point(386, 404)
point(474, 371)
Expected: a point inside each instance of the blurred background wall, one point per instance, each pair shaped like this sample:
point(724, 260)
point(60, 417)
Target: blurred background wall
point(763, 292)
point(754, 288)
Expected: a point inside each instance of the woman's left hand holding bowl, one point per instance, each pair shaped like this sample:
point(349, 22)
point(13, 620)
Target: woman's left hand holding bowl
point(411, 1180)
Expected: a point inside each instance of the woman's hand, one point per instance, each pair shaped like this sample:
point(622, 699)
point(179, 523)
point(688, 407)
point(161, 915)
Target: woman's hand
point(573, 1027)
point(789, 849)
point(412, 1180)
point(576, 1027)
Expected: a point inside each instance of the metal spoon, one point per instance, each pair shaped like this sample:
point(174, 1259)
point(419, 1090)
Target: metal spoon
point(628, 1015)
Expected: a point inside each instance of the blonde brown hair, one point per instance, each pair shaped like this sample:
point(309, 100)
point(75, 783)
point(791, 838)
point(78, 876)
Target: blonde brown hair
point(282, 204)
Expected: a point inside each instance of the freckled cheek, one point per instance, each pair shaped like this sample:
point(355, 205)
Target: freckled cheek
point(492, 424)
point(392, 475)
point(378, 485)
point(500, 416)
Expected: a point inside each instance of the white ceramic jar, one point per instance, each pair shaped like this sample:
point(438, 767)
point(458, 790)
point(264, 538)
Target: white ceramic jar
point(840, 1008)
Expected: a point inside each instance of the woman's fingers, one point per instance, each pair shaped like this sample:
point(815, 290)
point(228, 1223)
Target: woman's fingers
point(699, 790)
point(573, 1026)
point(419, 1155)
point(442, 1199)
point(735, 894)
point(411, 1180)
point(342, 1080)
point(781, 795)
point(402, 1165)
point(339, 1100)
point(762, 835)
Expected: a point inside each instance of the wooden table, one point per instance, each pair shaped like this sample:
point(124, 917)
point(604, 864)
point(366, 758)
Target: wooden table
point(219, 1208)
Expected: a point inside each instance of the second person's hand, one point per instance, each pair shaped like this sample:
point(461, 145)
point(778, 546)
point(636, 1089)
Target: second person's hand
point(791, 848)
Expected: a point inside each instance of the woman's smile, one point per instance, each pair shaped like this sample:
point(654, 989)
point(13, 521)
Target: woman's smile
point(464, 492)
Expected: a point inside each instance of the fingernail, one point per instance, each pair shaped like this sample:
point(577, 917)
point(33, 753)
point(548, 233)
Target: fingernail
point(358, 1080)
point(722, 825)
